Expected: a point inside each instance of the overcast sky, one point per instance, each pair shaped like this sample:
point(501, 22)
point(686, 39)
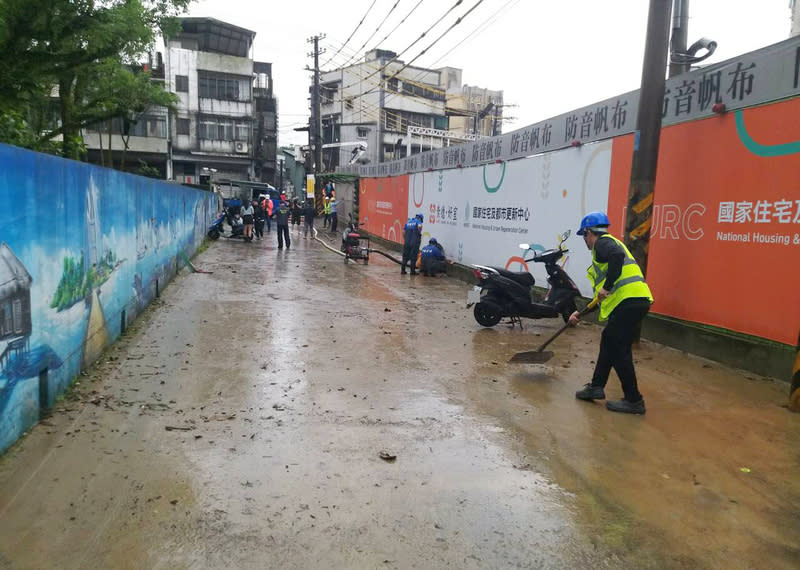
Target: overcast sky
point(547, 56)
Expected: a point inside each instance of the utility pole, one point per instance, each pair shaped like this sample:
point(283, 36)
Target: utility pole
point(680, 32)
point(638, 219)
point(315, 128)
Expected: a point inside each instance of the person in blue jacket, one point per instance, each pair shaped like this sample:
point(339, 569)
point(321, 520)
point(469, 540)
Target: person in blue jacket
point(412, 239)
point(433, 260)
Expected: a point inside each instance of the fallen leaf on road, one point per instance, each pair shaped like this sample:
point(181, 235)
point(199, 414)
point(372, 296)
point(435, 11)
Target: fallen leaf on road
point(386, 456)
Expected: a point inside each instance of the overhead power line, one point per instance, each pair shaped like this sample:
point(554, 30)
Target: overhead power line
point(372, 35)
point(353, 33)
point(453, 7)
point(399, 24)
point(447, 31)
point(469, 37)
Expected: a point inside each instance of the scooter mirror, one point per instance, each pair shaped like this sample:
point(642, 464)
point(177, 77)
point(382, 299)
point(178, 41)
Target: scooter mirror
point(525, 246)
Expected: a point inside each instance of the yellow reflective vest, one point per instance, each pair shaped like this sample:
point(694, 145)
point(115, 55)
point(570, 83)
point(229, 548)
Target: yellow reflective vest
point(630, 283)
point(326, 207)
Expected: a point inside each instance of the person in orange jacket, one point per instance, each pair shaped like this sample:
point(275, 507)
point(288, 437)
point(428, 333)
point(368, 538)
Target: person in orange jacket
point(268, 208)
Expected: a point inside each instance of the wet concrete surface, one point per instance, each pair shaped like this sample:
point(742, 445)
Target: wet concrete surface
point(239, 424)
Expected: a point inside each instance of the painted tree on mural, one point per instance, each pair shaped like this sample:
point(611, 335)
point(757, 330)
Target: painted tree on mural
point(77, 281)
point(80, 54)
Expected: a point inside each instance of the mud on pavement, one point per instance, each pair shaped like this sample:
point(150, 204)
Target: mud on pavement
point(241, 423)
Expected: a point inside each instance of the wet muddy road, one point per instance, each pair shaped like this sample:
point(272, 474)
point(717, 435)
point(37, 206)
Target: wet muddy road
point(239, 423)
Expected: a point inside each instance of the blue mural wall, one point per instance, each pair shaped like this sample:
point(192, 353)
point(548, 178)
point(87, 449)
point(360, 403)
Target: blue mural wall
point(83, 250)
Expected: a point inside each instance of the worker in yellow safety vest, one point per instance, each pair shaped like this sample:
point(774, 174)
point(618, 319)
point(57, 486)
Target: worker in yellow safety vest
point(326, 211)
point(625, 299)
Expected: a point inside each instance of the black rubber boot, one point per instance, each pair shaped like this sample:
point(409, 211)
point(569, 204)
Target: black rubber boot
point(626, 407)
point(589, 392)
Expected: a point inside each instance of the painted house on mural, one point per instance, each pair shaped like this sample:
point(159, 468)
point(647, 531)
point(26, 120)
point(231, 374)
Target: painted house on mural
point(15, 304)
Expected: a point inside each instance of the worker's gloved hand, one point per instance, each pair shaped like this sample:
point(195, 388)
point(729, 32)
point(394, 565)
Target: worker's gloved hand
point(574, 318)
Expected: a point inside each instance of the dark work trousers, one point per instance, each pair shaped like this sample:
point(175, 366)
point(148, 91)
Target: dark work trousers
point(334, 222)
point(615, 346)
point(432, 266)
point(259, 228)
point(283, 232)
point(269, 224)
point(326, 220)
point(410, 253)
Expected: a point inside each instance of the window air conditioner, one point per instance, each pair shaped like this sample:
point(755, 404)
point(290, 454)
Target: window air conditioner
point(241, 147)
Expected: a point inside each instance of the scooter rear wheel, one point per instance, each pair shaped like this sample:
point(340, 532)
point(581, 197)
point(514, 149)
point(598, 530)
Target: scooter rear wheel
point(486, 315)
point(213, 234)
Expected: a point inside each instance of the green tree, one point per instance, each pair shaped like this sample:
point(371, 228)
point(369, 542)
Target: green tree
point(72, 45)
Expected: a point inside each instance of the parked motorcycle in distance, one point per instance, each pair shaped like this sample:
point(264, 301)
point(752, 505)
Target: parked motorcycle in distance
point(501, 293)
point(217, 227)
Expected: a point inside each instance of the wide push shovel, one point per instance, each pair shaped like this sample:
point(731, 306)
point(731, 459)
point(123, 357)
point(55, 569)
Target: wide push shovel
point(540, 354)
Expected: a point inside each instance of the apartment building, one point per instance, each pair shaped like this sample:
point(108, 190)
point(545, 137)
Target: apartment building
point(373, 103)
point(210, 67)
point(395, 111)
point(472, 111)
point(224, 124)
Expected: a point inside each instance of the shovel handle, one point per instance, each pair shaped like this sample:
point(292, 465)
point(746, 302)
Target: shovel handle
point(592, 304)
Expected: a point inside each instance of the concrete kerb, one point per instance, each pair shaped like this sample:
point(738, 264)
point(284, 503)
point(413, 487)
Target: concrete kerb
point(738, 350)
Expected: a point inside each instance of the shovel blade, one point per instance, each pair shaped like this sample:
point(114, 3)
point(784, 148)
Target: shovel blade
point(532, 356)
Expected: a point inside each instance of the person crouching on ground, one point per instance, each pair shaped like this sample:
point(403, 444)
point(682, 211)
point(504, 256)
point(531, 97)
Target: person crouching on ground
point(412, 237)
point(625, 299)
point(433, 259)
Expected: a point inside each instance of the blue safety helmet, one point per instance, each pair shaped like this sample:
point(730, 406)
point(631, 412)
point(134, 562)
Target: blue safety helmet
point(596, 221)
point(420, 217)
point(432, 241)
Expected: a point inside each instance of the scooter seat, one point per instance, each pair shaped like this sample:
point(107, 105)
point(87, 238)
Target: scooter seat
point(522, 277)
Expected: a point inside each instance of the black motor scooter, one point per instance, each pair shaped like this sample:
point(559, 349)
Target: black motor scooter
point(502, 293)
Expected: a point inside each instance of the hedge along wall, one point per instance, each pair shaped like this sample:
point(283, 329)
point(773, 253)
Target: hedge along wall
point(83, 250)
point(725, 241)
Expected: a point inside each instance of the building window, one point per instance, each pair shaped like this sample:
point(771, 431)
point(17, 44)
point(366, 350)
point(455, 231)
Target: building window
point(326, 95)
point(223, 130)
point(17, 305)
point(242, 132)
point(144, 126)
point(392, 84)
point(348, 103)
point(225, 87)
point(8, 326)
point(418, 90)
point(362, 132)
point(392, 122)
point(182, 83)
point(183, 126)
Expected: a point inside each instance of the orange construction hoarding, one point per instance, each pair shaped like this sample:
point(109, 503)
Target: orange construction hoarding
point(725, 240)
point(383, 206)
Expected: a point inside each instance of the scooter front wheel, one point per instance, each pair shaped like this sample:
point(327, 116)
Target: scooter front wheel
point(486, 315)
